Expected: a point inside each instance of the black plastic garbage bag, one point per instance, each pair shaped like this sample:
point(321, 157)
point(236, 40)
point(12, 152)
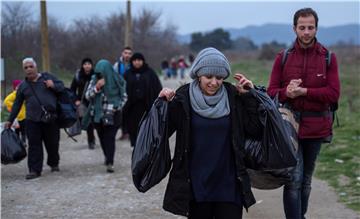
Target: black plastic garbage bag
point(269, 179)
point(276, 149)
point(263, 177)
point(12, 148)
point(275, 178)
point(151, 160)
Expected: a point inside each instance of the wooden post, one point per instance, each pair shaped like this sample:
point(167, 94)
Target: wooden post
point(128, 30)
point(44, 38)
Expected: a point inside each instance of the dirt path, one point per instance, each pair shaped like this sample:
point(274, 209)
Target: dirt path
point(83, 189)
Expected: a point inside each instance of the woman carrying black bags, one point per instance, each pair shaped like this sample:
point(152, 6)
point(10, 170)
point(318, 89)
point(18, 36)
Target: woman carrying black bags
point(78, 86)
point(211, 118)
point(106, 96)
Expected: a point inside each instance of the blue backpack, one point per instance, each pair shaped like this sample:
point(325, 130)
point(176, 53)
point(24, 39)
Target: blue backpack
point(66, 108)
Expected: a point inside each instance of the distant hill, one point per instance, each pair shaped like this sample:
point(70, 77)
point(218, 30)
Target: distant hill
point(283, 33)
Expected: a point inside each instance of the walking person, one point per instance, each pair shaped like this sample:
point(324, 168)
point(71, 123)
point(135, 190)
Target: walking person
point(123, 63)
point(307, 79)
point(211, 118)
point(165, 69)
point(39, 92)
point(173, 67)
point(142, 88)
point(79, 85)
point(182, 66)
point(21, 118)
point(105, 94)
point(121, 66)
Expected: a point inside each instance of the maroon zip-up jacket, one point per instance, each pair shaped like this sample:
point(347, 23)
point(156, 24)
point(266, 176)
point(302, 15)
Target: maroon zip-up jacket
point(322, 83)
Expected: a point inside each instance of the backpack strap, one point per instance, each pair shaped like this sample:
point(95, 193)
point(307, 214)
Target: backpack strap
point(37, 98)
point(68, 134)
point(77, 76)
point(328, 58)
point(119, 67)
point(285, 55)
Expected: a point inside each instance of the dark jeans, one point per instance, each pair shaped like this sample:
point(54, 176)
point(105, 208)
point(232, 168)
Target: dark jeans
point(123, 125)
point(90, 133)
point(21, 131)
point(107, 141)
point(214, 210)
point(296, 194)
point(37, 133)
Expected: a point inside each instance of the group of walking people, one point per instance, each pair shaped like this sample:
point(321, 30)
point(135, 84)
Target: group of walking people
point(104, 103)
point(211, 118)
point(176, 66)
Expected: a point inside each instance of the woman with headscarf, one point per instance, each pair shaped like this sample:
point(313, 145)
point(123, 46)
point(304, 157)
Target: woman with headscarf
point(105, 94)
point(211, 118)
point(78, 86)
point(142, 88)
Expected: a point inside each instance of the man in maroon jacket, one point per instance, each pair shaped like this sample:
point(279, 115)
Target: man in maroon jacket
point(307, 78)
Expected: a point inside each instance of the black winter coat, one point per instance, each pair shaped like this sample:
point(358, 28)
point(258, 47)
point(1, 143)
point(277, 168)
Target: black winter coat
point(46, 96)
point(78, 85)
point(142, 87)
point(245, 122)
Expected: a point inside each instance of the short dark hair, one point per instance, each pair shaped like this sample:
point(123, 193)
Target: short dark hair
point(304, 12)
point(127, 48)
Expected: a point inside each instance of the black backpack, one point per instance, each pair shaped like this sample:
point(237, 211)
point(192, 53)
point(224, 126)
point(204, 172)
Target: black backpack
point(334, 106)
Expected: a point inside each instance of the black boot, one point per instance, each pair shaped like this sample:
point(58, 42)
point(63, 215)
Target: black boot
point(33, 175)
point(91, 145)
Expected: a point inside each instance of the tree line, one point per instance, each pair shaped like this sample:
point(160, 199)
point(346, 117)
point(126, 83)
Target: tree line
point(220, 39)
point(98, 38)
point(92, 37)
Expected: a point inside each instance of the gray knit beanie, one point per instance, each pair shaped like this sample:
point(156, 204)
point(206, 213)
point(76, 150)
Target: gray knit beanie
point(210, 61)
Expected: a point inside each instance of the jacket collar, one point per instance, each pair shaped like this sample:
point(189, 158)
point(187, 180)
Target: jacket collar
point(315, 47)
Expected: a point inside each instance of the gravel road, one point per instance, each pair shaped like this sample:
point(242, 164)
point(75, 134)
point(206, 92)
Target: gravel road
point(83, 189)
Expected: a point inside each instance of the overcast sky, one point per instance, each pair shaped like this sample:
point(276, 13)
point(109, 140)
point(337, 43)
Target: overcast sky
point(192, 16)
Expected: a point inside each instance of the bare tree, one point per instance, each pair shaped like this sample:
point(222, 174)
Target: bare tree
point(17, 37)
point(94, 37)
point(16, 21)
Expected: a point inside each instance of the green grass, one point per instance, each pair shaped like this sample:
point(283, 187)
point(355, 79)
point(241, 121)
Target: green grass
point(346, 142)
point(256, 70)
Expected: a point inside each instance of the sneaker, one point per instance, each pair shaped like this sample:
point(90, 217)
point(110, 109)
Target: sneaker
point(55, 169)
point(91, 145)
point(110, 168)
point(32, 175)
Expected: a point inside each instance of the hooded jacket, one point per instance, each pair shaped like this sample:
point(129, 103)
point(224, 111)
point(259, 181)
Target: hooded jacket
point(113, 90)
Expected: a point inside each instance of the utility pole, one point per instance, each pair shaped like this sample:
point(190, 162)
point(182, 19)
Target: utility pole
point(128, 35)
point(45, 56)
